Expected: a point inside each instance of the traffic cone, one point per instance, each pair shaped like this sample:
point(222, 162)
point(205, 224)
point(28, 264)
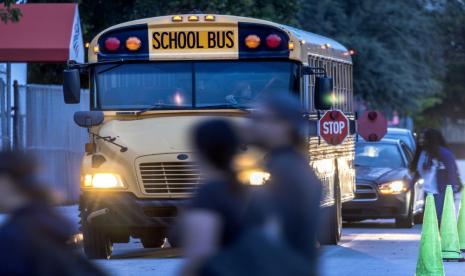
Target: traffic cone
point(461, 224)
point(430, 258)
point(449, 235)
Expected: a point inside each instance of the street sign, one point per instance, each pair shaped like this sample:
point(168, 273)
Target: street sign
point(372, 126)
point(333, 127)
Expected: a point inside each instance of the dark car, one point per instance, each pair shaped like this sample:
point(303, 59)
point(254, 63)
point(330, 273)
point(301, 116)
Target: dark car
point(402, 134)
point(385, 187)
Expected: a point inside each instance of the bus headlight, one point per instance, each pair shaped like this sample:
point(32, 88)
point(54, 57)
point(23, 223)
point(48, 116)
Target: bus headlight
point(102, 181)
point(393, 187)
point(258, 177)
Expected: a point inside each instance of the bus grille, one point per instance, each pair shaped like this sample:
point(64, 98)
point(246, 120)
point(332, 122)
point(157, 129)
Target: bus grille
point(170, 178)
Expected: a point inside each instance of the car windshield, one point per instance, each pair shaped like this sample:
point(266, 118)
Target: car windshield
point(186, 85)
point(378, 155)
point(404, 137)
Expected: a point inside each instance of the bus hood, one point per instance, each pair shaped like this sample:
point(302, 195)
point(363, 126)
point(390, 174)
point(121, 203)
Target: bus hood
point(156, 135)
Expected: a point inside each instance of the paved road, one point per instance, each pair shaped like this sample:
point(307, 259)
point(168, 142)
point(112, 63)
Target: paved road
point(367, 248)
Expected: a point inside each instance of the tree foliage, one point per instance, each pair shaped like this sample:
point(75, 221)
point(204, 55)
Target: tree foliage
point(397, 61)
point(9, 13)
point(450, 17)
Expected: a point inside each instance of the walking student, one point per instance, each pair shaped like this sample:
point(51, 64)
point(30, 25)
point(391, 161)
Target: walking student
point(219, 213)
point(33, 239)
point(294, 190)
point(437, 166)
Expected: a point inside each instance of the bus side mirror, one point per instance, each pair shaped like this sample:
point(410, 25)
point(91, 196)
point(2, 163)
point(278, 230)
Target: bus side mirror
point(88, 119)
point(323, 93)
point(71, 86)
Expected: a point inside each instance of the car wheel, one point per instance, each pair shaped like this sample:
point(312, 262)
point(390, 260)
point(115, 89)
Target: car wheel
point(408, 221)
point(418, 218)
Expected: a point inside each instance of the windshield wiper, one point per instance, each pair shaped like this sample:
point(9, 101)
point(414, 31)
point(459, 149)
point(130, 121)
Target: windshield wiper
point(110, 140)
point(232, 106)
point(158, 106)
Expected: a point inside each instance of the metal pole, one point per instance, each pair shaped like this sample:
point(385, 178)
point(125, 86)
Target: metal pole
point(16, 117)
point(8, 106)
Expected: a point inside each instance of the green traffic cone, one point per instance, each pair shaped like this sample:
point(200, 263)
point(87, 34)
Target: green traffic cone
point(430, 258)
point(449, 235)
point(461, 224)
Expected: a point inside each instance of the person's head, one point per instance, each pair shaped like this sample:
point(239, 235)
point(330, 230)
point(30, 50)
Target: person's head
point(19, 183)
point(217, 144)
point(432, 139)
point(278, 122)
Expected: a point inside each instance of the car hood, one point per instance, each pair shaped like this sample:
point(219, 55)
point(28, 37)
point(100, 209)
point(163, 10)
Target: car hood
point(380, 175)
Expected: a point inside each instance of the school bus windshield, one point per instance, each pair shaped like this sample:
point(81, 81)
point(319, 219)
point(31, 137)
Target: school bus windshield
point(191, 84)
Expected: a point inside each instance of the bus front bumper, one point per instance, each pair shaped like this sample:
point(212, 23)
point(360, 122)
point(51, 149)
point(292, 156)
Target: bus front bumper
point(124, 210)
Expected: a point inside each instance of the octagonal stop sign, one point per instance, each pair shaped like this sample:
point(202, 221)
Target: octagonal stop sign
point(372, 126)
point(333, 127)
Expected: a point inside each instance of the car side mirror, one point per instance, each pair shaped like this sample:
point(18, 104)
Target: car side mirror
point(71, 86)
point(88, 119)
point(323, 93)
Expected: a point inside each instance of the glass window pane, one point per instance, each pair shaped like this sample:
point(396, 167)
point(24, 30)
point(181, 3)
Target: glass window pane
point(135, 86)
point(240, 83)
point(378, 155)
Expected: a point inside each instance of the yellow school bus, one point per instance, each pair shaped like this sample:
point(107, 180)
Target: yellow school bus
point(152, 79)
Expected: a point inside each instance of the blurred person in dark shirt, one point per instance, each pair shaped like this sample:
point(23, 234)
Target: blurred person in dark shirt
point(294, 189)
point(33, 239)
point(219, 212)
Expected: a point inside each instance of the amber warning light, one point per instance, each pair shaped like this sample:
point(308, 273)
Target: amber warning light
point(252, 41)
point(133, 43)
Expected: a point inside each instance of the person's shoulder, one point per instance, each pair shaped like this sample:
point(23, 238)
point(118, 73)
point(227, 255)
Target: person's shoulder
point(446, 153)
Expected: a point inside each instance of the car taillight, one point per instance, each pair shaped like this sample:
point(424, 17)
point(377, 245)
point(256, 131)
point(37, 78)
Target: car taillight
point(112, 44)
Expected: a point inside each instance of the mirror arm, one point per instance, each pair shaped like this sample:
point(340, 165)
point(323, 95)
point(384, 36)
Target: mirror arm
point(110, 140)
point(308, 70)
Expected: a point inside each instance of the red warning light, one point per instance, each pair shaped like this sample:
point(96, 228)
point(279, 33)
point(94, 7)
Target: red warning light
point(273, 41)
point(112, 44)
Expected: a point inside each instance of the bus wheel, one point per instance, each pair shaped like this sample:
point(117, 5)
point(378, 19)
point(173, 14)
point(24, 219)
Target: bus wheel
point(331, 231)
point(96, 243)
point(153, 240)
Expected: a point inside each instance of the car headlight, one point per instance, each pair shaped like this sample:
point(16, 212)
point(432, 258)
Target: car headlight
point(102, 181)
point(393, 187)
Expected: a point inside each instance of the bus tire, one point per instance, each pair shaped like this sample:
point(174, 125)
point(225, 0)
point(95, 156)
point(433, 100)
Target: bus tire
point(97, 244)
point(153, 240)
point(330, 233)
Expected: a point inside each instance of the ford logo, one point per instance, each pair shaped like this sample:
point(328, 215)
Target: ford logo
point(182, 156)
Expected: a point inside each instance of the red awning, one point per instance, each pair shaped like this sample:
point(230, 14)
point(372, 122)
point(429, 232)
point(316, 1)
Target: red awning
point(44, 33)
